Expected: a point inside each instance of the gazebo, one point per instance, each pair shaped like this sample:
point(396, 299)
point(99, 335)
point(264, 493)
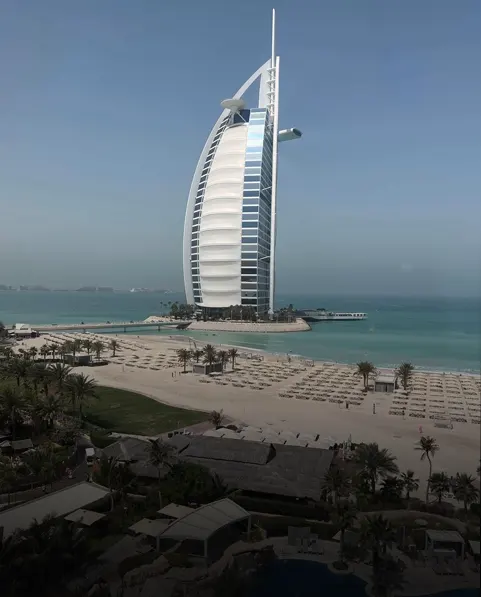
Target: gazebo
point(445, 542)
point(195, 529)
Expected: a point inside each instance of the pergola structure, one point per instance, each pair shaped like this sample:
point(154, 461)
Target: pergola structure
point(202, 523)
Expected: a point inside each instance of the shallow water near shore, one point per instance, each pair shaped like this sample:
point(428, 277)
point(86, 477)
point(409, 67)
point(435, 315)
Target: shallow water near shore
point(433, 333)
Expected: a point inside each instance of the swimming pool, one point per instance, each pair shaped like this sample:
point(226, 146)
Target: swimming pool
point(303, 578)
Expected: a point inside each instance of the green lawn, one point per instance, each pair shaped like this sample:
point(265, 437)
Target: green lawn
point(128, 412)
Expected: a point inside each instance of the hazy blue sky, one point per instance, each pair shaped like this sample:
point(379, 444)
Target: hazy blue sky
point(105, 106)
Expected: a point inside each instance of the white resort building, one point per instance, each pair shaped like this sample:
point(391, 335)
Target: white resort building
point(230, 221)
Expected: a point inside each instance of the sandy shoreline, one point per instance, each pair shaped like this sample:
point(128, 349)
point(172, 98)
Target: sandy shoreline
point(302, 396)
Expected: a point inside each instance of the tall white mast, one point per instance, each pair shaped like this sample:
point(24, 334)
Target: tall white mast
point(274, 110)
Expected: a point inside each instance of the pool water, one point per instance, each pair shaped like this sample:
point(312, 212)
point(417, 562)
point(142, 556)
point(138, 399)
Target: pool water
point(303, 578)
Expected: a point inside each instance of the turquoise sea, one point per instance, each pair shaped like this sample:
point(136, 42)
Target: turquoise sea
point(432, 333)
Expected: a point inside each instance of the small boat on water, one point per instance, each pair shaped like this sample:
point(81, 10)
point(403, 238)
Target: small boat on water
point(316, 315)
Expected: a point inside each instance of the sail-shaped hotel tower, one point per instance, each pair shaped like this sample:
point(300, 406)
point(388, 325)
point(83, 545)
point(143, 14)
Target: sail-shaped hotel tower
point(230, 221)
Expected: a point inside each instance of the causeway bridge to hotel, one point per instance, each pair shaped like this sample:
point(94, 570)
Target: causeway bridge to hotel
point(122, 325)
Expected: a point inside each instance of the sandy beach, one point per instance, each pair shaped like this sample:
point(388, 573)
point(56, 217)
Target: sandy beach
point(302, 396)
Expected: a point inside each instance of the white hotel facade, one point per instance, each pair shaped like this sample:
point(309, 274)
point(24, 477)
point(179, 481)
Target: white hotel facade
point(230, 221)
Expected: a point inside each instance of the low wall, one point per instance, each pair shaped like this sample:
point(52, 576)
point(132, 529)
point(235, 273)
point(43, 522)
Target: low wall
point(248, 327)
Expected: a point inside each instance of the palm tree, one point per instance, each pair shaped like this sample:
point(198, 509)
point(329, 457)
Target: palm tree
point(365, 369)
point(87, 345)
point(49, 408)
point(45, 351)
point(377, 534)
point(114, 345)
point(376, 462)
point(428, 446)
point(223, 356)
point(344, 519)
point(7, 352)
point(40, 373)
point(64, 349)
point(183, 356)
point(53, 349)
point(336, 483)
point(113, 474)
point(32, 352)
point(209, 354)
point(81, 388)
point(233, 352)
point(410, 482)
point(49, 471)
point(19, 368)
point(160, 456)
point(439, 485)
point(392, 489)
point(60, 374)
point(12, 407)
point(464, 490)
point(216, 418)
point(361, 488)
point(98, 347)
point(405, 373)
point(197, 354)
point(34, 461)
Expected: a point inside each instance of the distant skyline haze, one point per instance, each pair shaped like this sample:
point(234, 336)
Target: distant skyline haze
point(104, 108)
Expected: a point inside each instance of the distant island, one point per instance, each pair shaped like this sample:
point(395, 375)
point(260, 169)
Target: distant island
point(95, 289)
point(104, 289)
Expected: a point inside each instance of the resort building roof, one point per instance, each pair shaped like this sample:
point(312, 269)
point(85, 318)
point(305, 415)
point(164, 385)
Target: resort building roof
point(290, 470)
point(151, 528)
point(266, 468)
point(175, 511)
point(128, 449)
point(205, 521)
point(58, 503)
point(85, 517)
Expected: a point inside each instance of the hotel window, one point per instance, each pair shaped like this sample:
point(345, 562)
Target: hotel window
point(255, 178)
point(249, 240)
point(250, 201)
point(252, 255)
point(249, 193)
point(249, 224)
point(249, 270)
point(250, 208)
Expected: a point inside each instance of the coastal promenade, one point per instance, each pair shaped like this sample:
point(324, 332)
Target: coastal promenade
point(110, 325)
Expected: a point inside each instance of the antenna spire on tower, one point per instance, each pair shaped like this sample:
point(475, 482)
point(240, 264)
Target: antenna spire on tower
point(273, 53)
